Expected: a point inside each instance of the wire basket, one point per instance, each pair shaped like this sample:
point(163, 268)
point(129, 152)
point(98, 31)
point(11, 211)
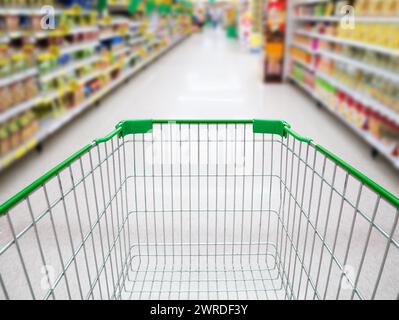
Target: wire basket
point(193, 209)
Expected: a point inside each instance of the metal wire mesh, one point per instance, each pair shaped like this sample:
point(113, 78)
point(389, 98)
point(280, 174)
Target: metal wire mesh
point(201, 211)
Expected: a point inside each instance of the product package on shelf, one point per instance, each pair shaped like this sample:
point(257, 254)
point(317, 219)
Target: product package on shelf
point(274, 41)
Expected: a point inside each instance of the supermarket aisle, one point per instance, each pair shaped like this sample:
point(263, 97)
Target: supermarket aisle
point(207, 76)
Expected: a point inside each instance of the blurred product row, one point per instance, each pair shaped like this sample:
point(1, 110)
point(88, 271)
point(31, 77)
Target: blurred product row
point(49, 76)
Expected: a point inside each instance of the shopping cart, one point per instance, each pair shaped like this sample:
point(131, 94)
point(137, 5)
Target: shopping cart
point(201, 209)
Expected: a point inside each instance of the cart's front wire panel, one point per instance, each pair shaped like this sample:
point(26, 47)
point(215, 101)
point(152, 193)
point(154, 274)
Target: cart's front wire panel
point(201, 211)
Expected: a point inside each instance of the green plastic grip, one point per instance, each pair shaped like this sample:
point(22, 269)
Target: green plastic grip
point(134, 126)
point(270, 126)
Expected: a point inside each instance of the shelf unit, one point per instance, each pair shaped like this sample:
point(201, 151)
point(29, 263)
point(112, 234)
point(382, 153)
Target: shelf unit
point(385, 73)
point(360, 96)
point(79, 46)
point(68, 68)
point(19, 108)
point(50, 126)
point(296, 27)
point(355, 63)
point(348, 42)
point(18, 76)
point(133, 52)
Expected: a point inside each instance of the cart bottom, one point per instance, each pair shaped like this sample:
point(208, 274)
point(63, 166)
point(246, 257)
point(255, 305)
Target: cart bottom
point(199, 271)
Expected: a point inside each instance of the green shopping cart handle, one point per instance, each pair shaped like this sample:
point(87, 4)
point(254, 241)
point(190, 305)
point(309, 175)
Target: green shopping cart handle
point(127, 127)
point(279, 127)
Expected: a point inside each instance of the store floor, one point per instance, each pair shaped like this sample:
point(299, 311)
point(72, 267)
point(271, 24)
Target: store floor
point(206, 76)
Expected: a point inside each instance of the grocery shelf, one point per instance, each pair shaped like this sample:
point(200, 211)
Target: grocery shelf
point(26, 11)
point(74, 30)
point(317, 18)
point(304, 47)
point(132, 55)
point(115, 21)
point(15, 110)
point(135, 23)
point(68, 68)
point(17, 34)
point(154, 41)
point(114, 7)
point(307, 66)
point(122, 50)
point(137, 40)
point(353, 43)
point(54, 125)
point(307, 2)
point(394, 19)
point(18, 153)
point(361, 65)
point(375, 143)
point(308, 33)
point(361, 97)
point(81, 29)
point(310, 91)
point(49, 95)
point(79, 46)
point(33, 36)
point(383, 149)
point(111, 35)
point(97, 73)
point(18, 76)
point(50, 126)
